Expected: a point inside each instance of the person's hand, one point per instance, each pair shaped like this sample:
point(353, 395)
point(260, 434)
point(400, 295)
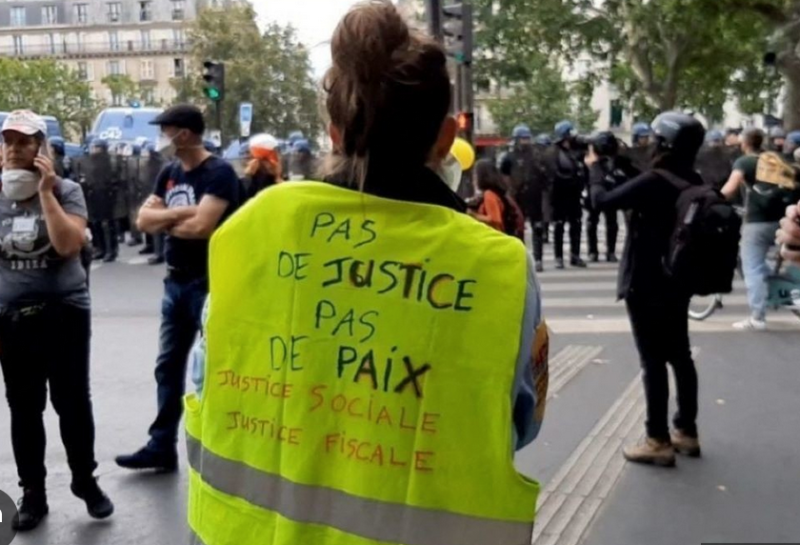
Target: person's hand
point(45, 167)
point(788, 236)
point(591, 157)
point(152, 201)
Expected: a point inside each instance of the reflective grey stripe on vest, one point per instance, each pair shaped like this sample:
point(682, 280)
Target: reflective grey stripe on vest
point(371, 519)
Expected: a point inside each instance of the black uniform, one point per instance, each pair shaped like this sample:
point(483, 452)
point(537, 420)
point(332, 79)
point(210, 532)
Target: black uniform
point(524, 166)
point(569, 179)
point(616, 171)
point(97, 176)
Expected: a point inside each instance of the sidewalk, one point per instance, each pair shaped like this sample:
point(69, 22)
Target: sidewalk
point(745, 488)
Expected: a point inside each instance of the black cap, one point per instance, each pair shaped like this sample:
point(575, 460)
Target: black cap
point(182, 116)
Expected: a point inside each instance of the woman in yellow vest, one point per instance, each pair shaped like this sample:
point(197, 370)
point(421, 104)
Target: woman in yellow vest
point(374, 356)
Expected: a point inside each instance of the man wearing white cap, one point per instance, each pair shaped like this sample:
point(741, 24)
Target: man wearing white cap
point(45, 317)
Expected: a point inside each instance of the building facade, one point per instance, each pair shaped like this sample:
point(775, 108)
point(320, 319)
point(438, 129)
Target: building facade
point(143, 39)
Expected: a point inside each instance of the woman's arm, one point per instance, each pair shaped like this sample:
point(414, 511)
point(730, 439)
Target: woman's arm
point(67, 232)
point(624, 197)
point(529, 393)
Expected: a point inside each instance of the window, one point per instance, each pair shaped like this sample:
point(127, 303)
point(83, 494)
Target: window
point(146, 44)
point(18, 16)
point(49, 15)
point(178, 37)
point(81, 13)
point(177, 68)
point(147, 71)
point(83, 71)
point(114, 11)
point(178, 7)
point(17, 45)
point(145, 11)
point(148, 95)
point(113, 68)
point(113, 40)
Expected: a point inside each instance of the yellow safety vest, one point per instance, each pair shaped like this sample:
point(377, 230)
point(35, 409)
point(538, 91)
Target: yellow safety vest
point(361, 357)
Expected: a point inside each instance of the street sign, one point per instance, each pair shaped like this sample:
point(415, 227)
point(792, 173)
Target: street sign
point(216, 137)
point(245, 118)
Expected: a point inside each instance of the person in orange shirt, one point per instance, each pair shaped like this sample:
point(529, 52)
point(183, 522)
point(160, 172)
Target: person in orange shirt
point(497, 208)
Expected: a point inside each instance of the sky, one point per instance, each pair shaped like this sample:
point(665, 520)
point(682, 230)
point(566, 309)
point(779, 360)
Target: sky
point(314, 20)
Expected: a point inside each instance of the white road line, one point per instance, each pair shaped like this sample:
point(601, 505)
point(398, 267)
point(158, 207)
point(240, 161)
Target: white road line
point(609, 301)
point(590, 285)
point(572, 498)
point(715, 324)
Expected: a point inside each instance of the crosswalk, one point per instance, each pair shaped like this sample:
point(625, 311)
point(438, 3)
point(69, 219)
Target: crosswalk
point(576, 300)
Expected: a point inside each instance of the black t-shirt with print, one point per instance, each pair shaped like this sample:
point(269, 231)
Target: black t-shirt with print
point(178, 188)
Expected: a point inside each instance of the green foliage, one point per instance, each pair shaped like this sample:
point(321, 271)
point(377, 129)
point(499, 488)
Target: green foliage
point(659, 54)
point(48, 88)
point(270, 69)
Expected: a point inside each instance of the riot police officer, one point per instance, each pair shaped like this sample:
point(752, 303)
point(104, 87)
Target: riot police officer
point(523, 167)
point(60, 160)
point(614, 169)
point(777, 139)
point(569, 179)
point(97, 171)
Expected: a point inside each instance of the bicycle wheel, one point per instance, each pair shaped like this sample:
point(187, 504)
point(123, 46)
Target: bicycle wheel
point(701, 308)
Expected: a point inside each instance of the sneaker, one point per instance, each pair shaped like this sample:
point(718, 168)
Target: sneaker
point(147, 458)
point(594, 258)
point(539, 267)
point(751, 324)
point(612, 258)
point(97, 503)
point(651, 451)
point(685, 444)
point(31, 509)
point(559, 263)
point(577, 262)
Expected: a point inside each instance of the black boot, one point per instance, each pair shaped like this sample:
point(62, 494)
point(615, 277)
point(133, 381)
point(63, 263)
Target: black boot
point(539, 267)
point(594, 258)
point(97, 503)
point(612, 258)
point(32, 508)
point(147, 458)
point(576, 261)
point(560, 263)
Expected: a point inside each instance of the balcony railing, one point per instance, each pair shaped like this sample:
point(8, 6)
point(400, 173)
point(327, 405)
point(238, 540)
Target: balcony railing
point(121, 48)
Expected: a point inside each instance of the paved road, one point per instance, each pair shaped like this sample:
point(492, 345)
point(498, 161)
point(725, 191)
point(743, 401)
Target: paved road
point(745, 489)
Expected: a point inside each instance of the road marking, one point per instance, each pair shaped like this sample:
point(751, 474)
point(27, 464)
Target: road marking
point(572, 498)
point(594, 285)
point(96, 266)
point(715, 324)
point(567, 364)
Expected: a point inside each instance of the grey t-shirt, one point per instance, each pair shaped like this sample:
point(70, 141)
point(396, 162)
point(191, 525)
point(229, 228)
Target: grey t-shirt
point(31, 271)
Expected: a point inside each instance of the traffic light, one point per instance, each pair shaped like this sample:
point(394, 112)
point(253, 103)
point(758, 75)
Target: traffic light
point(214, 80)
point(458, 31)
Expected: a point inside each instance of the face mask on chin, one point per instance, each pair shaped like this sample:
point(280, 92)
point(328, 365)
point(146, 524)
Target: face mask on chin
point(20, 184)
point(450, 172)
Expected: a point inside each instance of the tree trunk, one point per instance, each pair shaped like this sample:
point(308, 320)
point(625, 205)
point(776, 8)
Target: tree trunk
point(789, 66)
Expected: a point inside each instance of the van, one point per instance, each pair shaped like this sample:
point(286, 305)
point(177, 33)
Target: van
point(126, 125)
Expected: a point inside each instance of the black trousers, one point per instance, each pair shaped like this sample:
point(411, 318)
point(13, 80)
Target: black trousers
point(612, 228)
point(661, 331)
point(575, 227)
point(539, 236)
point(40, 346)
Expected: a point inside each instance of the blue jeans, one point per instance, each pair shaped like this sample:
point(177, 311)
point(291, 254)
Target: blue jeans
point(757, 239)
point(181, 311)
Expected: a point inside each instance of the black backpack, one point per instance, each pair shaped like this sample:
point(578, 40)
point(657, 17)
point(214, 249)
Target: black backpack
point(704, 245)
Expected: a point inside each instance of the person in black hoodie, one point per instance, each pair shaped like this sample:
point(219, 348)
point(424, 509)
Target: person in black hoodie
point(657, 307)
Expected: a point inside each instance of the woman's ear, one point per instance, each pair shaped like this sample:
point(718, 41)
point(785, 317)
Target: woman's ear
point(336, 137)
point(447, 135)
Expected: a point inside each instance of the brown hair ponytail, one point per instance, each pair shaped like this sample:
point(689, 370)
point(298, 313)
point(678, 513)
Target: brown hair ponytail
point(388, 93)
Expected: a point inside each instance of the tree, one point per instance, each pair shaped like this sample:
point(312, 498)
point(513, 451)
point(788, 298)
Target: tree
point(47, 88)
point(272, 70)
point(122, 88)
point(782, 17)
point(660, 54)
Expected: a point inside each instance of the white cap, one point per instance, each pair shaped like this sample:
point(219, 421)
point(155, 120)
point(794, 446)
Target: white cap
point(26, 122)
point(264, 141)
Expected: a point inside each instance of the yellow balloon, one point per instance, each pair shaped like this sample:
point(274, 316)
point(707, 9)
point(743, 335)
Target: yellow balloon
point(464, 153)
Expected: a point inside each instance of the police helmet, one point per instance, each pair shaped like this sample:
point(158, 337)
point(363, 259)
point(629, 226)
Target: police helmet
point(605, 144)
point(57, 143)
point(522, 131)
point(296, 136)
point(792, 142)
point(543, 140)
point(301, 145)
point(714, 137)
point(680, 133)
point(564, 130)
